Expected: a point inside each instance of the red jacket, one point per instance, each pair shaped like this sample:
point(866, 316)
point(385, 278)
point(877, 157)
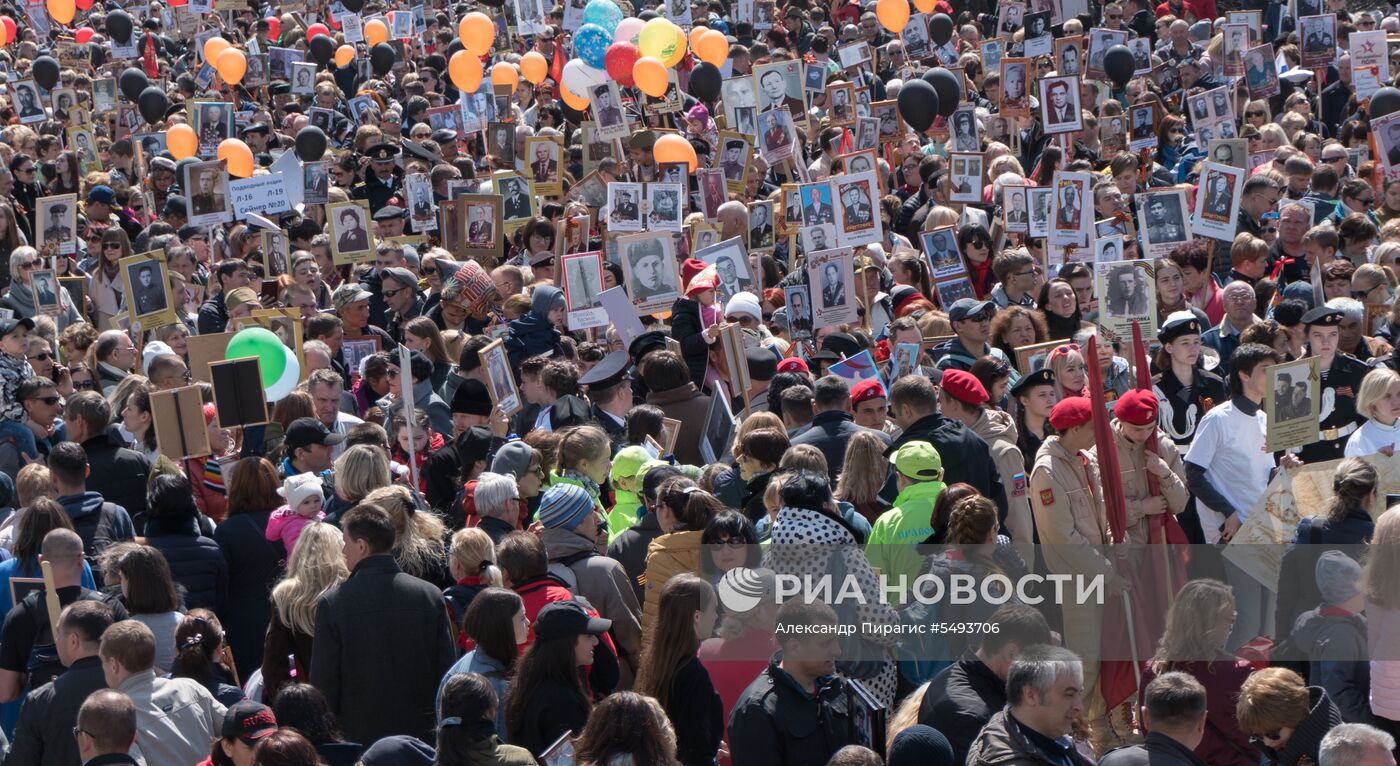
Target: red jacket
point(539, 591)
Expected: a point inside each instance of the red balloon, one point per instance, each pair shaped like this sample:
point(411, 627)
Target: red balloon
point(317, 29)
point(83, 5)
point(83, 35)
point(619, 60)
point(9, 25)
point(274, 28)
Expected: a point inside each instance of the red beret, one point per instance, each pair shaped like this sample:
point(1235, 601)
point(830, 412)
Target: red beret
point(1070, 412)
point(866, 390)
point(964, 386)
point(1137, 407)
point(793, 364)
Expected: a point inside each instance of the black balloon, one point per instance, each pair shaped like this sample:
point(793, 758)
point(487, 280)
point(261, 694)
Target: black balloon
point(45, 70)
point(119, 26)
point(918, 104)
point(381, 58)
point(98, 54)
point(574, 116)
point(1119, 65)
point(1384, 101)
point(322, 49)
point(941, 28)
point(153, 104)
point(946, 85)
point(648, 15)
point(494, 3)
point(705, 81)
point(310, 144)
point(133, 82)
point(353, 6)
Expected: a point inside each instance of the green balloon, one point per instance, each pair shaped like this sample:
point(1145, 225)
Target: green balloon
point(263, 344)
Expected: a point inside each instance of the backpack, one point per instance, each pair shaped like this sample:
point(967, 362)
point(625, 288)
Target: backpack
point(921, 650)
point(43, 665)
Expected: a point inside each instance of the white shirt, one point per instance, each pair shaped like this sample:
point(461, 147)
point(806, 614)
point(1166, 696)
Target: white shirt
point(1230, 446)
point(1371, 438)
point(344, 421)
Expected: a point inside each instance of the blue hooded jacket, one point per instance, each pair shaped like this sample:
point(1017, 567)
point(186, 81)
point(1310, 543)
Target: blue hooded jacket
point(532, 334)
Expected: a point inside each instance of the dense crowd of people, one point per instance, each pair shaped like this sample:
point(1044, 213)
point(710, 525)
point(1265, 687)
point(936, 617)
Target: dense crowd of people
point(594, 327)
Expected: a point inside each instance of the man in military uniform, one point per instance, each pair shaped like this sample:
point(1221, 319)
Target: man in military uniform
point(733, 164)
point(150, 298)
point(1283, 397)
point(57, 231)
point(383, 180)
point(213, 127)
point(1162, 227)
point(1341, 380)
point(207, 200)
point(610, 392)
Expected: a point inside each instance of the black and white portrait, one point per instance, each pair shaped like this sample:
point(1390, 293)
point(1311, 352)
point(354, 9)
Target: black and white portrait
point(583, 280)
point(206, 184)
point(1014, 210)
point(304, 78)
point(779, 84)
point(649, 269)
point(624, 206)
point(607, 110)
point(148, 288)
point(761, 225)
point(1126, 291)
point(27, 103)
point(58, 220)
point(516, 201)
point(1162, 220)
point(915, 37)
point(664, 206)
point(350, 236)
point(731, 264)
point(799, 311)
point(965, 133)
point(214, 123)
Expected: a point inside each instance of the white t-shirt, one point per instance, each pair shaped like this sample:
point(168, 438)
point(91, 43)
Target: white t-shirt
point(1230, 446)
point(1371, 438)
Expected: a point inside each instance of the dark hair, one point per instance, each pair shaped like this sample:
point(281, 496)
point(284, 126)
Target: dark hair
point(470, 698)
point(988, 370)
point(170, 496)
point(943, 509)
point(664, 371)
point(642, 421)
point(199, 639)
point(303, 707)
point(89, 619)
point(807, 489)
point(252, 487)
point(651, 483)
point(552, 661)
point(68, 463)
point(693, 507)
point(1016, 623)
point(627, 723)
point(285, 747)
point(490, 622)
point(1245, 359)
point(1174, 699)
point(371, 524)
point(44, 516)
point(731, 525)
point(150, 589)
point(831, 392)
point(765, 445)
point(522, 556)
point(780, 383)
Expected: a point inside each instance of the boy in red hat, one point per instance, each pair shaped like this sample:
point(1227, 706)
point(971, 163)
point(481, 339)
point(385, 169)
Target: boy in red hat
point(1134, 426)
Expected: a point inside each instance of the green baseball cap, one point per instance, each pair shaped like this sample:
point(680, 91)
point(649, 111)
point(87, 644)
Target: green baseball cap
point(918, 460)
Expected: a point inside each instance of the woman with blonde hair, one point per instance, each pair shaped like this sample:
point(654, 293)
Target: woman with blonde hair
point(316, 565)
point(1379, 402)
point(1198, 624)
point(863, 475)
point(420, 546)
point(472, 561)
point(359, 470)
point(105, 286)
point(1378, 578)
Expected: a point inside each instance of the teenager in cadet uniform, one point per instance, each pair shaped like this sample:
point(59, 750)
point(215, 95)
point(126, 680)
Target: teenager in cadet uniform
point(1134, 425)
point(1341, 380)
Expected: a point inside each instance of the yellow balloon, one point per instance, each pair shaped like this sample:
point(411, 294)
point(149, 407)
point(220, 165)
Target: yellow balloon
point(679, 48)
point(477, 32)
point(577, 103)
point(231, 65)
point(534, 67)
point(62, 11)
point(344, 55)
point(505, 73)
point(650, 75)
point(182, 141)
point(925, 6)
point(213, 47)
point(894, 14)
point(712, 48)
point(238, 156)
point(465, 70)
point(376, 32)
point(657, 39)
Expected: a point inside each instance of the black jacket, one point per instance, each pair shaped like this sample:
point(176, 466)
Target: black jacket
point(1003, 740)
point(1158, 750)
point(966, 457)
point(1306, 740)
point(253, 566)
point(552, 711)
point(830, 432)
point(781, 724)
point(383, 642)
point(630, 549)
point(213, 316)
point(44, 734)
point(960, 700)
point(688, 330)
point(117, 474)
point(697, 714)
point(196, 562)
point(1316, 535)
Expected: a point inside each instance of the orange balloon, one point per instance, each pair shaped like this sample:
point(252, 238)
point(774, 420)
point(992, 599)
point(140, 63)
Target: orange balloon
point(894, 14)
point(231, 65)
point(465, 71)
point(376, 32)
point(695, 35)
point(238, 156)
point(712, 47)
point(4, 35)
point(182, 141)
point(505, 73)
point(925, 6)
point(534, 67)
point(477, 32)
point(577, 103)
point(650, 75)
point(670, 147)
point(213, 47)
point(62, 11)
point(682, 48)
point(344, 55)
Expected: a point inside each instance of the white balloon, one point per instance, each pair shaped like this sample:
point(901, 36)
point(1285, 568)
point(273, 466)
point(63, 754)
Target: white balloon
point(290, 376)
point(579, 77)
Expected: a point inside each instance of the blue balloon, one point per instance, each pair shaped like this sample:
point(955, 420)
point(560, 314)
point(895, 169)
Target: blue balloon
point(591, 45)
point(604, 13)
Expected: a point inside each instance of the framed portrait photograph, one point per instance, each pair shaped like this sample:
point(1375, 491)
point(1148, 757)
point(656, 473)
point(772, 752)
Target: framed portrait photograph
point(500, 381)
point(57, 223)
point(625, 206)
point(1037, 40)
point(1142, 126)
point(1073, 209)
point(315, 183)
point(841, 103)
point(1060, 111)
point(1108, 248)
point(858, 219)
point(777, 136)
point(422, 211)
point(887, 112)
point(500, 143)
point(545, 154)
point(831, 277)
point(481, 217)
point(780, 84)
point(741, 104)
point(1009, 19)
point(1041, 201)
point(812, 239)
point(714, 191)
point(607, 112)
point(966, 131)
point(207, 198)
point(1141, 48)
point(665, 205)
point(965, 180)
point(992, 52)
point(733, 158)
point(1293, 404)
point(816, 203)
point(860, 161)
point(583, 284)
point(104, 95)
point(1218, 201)
point(1015, 86)
point(1127, 293)
point(732, 272)
point(941, 248)
point(798, 300)
point(1318, 35)
point(1162, 221)
point(649, 270)
point(1260, 73)
point(213, 123)
point(761, 225)
point(28, 105)
point(44, 288)
point(147, 287)
point(517, 204)
point(1015, 212)
point(1237, 43)
point(1100, 40)
point(1253, 20)
point(303, 78)
point(276, 257)
point(915, 37)
point(352, 239)
point(1069, 55)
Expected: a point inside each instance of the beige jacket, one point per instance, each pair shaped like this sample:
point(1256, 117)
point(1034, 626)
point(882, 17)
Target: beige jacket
point(998, 430)
point(1132, 463)
point(1068, 509)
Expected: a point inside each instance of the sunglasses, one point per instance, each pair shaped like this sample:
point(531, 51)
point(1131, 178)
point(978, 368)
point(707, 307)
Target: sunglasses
point(111, 245)
point(1254, 113)
point(1335, 158)
point(44, 357)
point(1258, 739)
point(84, 385)
point(49, 400)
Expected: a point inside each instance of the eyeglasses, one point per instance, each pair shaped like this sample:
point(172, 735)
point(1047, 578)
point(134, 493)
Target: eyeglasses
point(1271, 230)
point(1335, 158)
point(77, 730)
point(49, 400)
point(84, 385)
point(136, 208)
point(1030, 273)
point(44, 357)
point(29, 169)
point(111, 245)
point(978, 243)
point(1259, 739)
point(1255, 113)
point(28, 264)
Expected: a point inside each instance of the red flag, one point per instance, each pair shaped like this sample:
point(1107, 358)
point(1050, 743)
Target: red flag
point(148, 57)
point(556, 69)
